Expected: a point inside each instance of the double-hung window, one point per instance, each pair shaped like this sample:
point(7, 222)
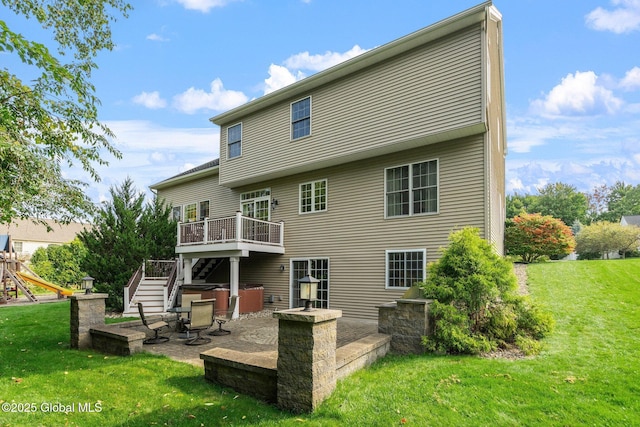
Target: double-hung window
point(177, 213)
point(234, 141)
point(301, 118)
point(411, 189)
point(313, 196)
point(190, 212)
point(204, 209)
point(405, 267)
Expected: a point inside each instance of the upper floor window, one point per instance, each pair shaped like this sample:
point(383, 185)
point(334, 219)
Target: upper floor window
point(17, 246)
point(301, 118)
point(234, 141)
point(405, 268)
point(411, 189)
point(313, 196)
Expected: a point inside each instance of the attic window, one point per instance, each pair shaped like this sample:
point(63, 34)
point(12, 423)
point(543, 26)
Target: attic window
point(301, 118)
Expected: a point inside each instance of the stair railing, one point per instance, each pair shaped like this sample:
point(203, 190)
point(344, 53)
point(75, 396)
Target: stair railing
point(132, 286)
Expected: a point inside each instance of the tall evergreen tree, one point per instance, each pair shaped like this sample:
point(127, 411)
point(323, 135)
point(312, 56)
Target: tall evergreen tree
point(125, 233)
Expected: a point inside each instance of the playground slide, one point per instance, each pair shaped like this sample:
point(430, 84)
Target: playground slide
point(44, 284)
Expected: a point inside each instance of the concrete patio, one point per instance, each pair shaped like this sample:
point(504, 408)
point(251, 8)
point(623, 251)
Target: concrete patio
point(250, 335)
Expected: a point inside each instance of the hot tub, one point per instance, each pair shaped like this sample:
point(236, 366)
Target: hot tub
point(251, 296)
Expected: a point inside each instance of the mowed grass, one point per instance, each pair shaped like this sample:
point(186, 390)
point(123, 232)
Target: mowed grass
point(588, 374)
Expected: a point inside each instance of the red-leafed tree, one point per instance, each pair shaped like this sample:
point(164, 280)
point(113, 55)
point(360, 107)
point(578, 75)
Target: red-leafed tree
point(532, 236)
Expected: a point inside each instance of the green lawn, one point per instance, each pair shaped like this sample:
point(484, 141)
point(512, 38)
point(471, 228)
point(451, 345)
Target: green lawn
point(588, 374)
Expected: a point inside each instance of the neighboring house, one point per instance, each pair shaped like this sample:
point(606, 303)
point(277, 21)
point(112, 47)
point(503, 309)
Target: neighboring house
point(356, 175)
point(26, 236)
point(630, 220)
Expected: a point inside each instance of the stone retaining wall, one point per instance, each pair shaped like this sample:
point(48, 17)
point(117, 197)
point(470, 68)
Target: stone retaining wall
point(116, 340)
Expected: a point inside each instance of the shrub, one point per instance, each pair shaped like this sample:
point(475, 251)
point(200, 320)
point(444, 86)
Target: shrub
point(476, 307)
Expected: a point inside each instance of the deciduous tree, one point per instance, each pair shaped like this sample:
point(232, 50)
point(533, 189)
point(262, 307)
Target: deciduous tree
point(604, 237)
point(561, 201)
point(49, 109)
point(532, 236)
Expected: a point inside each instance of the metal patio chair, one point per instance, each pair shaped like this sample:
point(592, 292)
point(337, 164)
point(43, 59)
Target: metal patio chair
point(221, 320)
point(201, 320)
point(155, 327)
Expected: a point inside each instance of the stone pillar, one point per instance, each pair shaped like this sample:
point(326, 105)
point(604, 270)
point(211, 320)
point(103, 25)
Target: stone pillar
point(87, 311)
point(306, 357)
point(409, 324)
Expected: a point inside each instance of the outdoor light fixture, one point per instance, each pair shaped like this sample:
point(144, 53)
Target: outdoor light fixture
point(87, 284)
point(308, 291)
point(281, 267)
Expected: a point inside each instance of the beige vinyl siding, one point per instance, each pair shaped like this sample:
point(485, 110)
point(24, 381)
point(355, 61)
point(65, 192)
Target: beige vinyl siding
point(496, 136)
point(354, 234)
point(222, 201)
point(432, 89)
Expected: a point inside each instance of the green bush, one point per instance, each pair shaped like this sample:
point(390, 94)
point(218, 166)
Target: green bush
point(476, 307)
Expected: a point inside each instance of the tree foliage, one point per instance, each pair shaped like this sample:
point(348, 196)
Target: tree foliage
point(603, 237)
point(561, 201)
point(126, 232)
point(49, 117)
point(532, 236)
point(60, 264)
point(476, 307)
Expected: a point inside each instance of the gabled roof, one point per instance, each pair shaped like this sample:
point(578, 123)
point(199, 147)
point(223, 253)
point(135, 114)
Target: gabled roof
point(631, 219)
point(375, 56)
point(204, 169)
point(25, 230)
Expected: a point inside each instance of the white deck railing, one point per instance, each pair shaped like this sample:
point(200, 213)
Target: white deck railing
point(236, 228)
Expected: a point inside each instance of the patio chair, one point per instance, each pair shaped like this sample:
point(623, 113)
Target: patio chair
point(201, 320)
point(228, 316)
point(155, 327)
point(186, 302)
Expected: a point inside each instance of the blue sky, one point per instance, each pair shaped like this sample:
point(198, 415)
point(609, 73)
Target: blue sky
point(572, 78)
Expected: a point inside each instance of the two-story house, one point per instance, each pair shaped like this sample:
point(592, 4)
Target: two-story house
point(355, 175)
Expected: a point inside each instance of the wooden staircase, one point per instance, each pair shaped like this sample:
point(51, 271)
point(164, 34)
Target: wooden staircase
point(155, 285)
point(150, 294)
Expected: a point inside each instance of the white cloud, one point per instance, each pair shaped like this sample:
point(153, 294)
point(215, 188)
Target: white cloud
point(157, 38)
point(319, 62)
point(292, 71)
point(280, 77)
point(631, 80)
point(150, 100)
point(624, 18)
point(578, 94)
point(217, 99)
point(151, 153)
point(203, 5)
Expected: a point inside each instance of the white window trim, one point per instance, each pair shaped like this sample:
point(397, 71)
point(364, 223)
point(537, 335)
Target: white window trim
point(386, 266)
point(173, 217)
point(437, 211)
point(241, 141)
point(308, 261)
point(208, 210)
point(184, 211)
point(291, 138)
point(257, 199)
point(313, 204)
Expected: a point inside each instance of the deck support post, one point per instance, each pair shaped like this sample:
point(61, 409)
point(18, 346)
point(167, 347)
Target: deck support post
point(188, 270)
point(234, 281)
